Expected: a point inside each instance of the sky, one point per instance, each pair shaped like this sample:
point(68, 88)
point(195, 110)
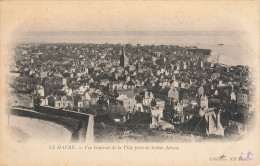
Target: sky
point(57, 21)
point(130, 16)
point(146, 22)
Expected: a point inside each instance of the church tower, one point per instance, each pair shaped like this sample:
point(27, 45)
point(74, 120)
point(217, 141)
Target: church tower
point(123, 58)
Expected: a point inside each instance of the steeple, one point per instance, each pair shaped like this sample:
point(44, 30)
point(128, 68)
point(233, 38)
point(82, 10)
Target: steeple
point(123, 58)
point(123, 50)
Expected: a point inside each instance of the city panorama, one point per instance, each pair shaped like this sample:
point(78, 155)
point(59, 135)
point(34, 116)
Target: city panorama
point(130, 93)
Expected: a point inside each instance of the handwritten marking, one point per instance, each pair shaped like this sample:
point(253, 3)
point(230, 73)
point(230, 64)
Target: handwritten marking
point(247, 158)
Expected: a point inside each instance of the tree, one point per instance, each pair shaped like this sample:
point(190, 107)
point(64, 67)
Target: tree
point(149, 86)
point(61, 93)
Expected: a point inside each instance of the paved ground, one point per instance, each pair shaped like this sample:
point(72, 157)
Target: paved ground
point(34, 130)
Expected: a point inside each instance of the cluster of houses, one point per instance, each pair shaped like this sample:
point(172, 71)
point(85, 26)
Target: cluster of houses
point(173, 84)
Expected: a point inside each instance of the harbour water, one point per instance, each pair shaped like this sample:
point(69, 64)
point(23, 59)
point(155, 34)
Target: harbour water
point(229, 55)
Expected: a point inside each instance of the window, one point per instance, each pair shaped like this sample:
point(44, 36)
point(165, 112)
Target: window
point(58, 104)
point(63, 104)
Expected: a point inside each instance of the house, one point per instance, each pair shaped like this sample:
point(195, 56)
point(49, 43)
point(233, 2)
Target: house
point(147, 99)
point(39, 100)
point(216, 92)
point(173, 93)
point(215, 99)
point(82, 101)
point(129, 93)
point(104, 82)
point(60, 101)
point(80, 104)
point(39, 90)
point(72, 69)
point(99, 92)
point(215, 76)
point(43, 74)
point(139, 107)
point(157, 112)
point(67, 90)
point(176, 83)
point(159, 103)
point(204, 102)
point(93, 98)
point(221, 84)
point(184, 65)
point(233, 96)
point(200, 91)
point(80, 90)
point(193, 103)
point(128, 104)
point(178, 112)
point(242, 97)
point(185, 85)
point(130, 85)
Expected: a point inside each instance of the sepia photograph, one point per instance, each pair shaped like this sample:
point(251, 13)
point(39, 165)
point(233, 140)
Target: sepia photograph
point(95, 78)
point(163, 87)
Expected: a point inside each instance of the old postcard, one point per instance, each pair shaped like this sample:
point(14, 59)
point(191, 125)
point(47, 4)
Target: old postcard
point(129, 83)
